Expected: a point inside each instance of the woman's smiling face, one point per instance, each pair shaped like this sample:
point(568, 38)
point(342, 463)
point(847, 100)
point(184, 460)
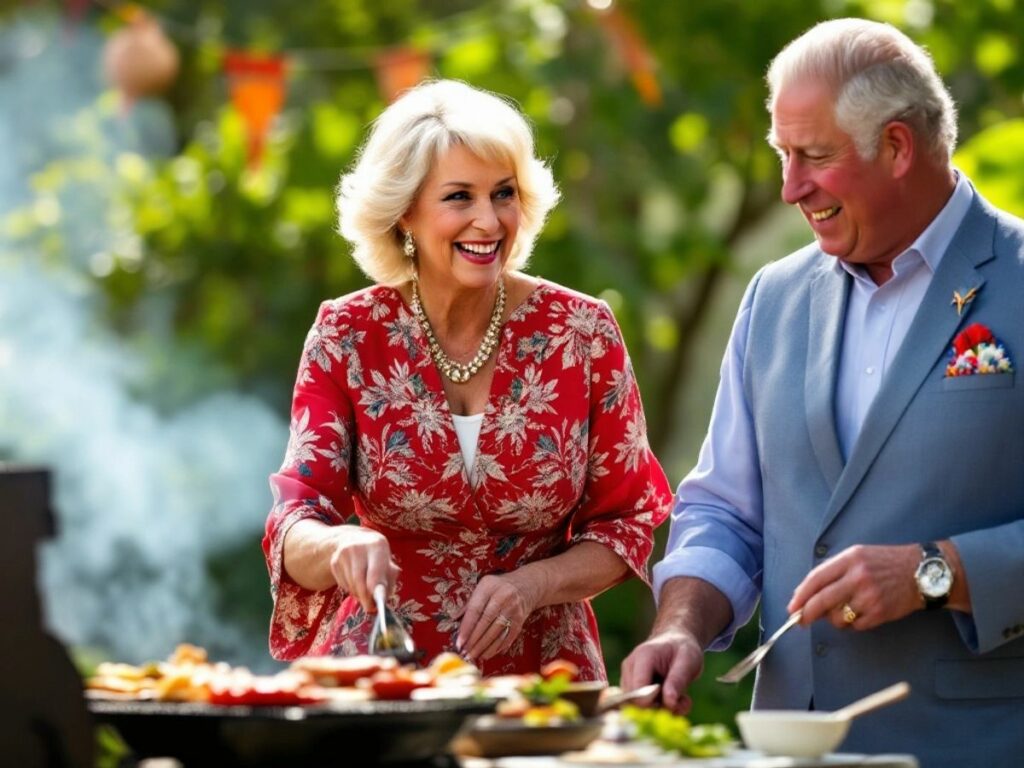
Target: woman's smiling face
point(465, 219)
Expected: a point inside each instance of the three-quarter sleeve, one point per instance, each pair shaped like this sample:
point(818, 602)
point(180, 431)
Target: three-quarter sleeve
point(313, 482)
point(626, 495)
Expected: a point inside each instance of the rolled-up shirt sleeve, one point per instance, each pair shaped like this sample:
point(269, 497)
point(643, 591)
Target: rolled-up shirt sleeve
point(716, 531)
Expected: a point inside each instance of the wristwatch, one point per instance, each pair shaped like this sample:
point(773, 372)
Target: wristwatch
point(934, 576)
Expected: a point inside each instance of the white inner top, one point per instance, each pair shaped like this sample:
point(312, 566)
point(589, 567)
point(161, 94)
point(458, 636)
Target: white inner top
point(467, 429)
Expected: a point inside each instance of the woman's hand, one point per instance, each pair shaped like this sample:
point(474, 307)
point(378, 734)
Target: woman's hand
point(495, 613)
point(320, 556)
point(361, 559)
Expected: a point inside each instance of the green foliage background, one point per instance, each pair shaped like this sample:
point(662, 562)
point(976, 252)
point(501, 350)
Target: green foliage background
point(666, 210)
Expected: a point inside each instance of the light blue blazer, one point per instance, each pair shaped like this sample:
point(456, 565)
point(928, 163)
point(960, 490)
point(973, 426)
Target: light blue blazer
point(937, 458)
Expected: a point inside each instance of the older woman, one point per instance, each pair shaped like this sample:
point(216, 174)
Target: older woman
point(484, 426)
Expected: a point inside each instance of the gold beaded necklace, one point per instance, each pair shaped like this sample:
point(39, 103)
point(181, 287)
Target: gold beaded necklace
point(457, 372)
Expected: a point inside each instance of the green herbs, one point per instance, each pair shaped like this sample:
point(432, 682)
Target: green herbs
point(675, 733)
point(541, 691)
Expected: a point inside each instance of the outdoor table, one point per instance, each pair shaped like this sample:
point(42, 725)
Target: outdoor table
point(739, 759)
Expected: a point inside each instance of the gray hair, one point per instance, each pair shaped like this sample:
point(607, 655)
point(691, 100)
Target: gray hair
point(878, 75)
point(404, 143)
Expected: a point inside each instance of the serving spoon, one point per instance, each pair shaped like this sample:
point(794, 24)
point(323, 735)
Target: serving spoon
point(388, 636)
point(875, 700)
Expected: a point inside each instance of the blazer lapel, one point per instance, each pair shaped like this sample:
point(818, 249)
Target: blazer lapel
point(928, 339)
point(828, 294)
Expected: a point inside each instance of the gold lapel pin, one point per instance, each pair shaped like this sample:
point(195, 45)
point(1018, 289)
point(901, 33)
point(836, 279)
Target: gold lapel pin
point(961, 300)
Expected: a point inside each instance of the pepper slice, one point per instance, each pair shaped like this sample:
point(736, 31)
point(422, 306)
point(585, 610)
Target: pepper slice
point(282, 690)
point(398, 684)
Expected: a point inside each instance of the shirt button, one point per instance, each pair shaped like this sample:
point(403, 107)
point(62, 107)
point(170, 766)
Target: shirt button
point(870, 370)
point(821, 550)
point(821, 649)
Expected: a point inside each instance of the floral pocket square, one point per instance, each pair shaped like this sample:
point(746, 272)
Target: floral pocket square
point(977, 350)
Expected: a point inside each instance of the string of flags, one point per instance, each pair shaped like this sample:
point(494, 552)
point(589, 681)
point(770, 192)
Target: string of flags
point(256, 85)
point(141, 61)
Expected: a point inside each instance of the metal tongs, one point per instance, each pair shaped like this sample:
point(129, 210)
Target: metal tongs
point(645, 695)
point(388, 636)
point(749, 662)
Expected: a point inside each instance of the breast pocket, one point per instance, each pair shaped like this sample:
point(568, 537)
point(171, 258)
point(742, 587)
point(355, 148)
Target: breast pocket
point(977, 381)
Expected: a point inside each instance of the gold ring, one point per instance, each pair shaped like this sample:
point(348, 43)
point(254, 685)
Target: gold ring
point(505, 621)
point(849, 615)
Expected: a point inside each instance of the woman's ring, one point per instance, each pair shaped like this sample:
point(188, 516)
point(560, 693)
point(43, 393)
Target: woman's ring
point(505, 621)
point(849, 615)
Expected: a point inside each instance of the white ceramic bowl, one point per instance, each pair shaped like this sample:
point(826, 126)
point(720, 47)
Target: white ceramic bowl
point(792, 733)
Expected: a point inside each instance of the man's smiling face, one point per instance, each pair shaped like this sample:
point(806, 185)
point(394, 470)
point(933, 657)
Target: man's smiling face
point(850, 203)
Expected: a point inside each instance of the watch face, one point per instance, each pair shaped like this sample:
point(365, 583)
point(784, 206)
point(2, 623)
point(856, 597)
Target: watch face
point(935, 578)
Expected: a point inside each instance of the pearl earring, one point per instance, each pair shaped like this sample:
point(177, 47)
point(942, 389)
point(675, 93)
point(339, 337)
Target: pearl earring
point(409, 246)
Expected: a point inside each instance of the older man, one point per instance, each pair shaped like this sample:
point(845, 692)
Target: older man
point(865, 458)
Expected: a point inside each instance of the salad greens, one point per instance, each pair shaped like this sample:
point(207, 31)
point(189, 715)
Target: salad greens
point(541, 691)
point(675, 733)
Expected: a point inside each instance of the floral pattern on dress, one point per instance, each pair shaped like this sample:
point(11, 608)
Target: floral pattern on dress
point(562, 458)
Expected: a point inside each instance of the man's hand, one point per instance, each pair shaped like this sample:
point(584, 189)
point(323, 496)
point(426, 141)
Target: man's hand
point(691, 613)
point(674, 658)
point(875, 581)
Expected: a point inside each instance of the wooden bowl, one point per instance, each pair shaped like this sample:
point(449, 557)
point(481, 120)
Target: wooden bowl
point(489, 736)
point(586, 696)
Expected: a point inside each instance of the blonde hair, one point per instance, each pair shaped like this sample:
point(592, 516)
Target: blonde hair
point(878, 74)
point(403, 144)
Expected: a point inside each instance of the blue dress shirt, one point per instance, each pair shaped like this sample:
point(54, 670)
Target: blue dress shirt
point(716, 527)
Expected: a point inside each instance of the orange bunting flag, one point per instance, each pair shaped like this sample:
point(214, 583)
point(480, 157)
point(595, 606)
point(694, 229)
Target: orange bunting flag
point(629, 43)
point(257, 88)
point(399, 69)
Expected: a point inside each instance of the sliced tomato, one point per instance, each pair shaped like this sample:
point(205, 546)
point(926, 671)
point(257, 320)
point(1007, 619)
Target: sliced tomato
point(398, 684)
point(282, 690)
point(560, 667)
point(263, 698)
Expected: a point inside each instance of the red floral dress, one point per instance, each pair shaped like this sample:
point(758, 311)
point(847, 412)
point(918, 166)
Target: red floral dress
point(562, 458)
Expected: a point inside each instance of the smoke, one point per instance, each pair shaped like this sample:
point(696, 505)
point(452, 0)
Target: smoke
point(145, 500)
